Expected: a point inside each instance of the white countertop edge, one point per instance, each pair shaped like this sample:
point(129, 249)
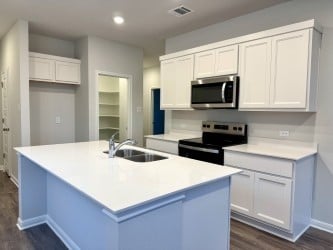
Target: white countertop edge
point(129, 205)
point(292, 150)
point(175, 135)
point(234, 171)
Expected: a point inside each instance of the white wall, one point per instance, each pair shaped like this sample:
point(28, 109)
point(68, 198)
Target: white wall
point(304, 127)
point(14, 59)
point(49, 100)
point(117, 58)
point(151, 80)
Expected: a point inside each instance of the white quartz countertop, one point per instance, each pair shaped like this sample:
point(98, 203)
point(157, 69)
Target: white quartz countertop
point(174, 136)
point(117, 183)
point(280, 149)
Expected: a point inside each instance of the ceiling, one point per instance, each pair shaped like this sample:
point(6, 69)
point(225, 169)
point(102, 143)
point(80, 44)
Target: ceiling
point(147, 22)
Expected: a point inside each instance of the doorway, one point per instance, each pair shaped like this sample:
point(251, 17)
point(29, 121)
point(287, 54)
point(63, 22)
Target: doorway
point(157, 113)
point(114, 107)
point(6, 145)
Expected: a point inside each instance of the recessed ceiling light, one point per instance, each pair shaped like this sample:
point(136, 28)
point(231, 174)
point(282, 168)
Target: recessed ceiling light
point(118, 19)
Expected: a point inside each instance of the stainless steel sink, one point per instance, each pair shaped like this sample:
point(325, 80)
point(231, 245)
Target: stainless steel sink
point(146, 158)
point(137, 156)
point(126, 152)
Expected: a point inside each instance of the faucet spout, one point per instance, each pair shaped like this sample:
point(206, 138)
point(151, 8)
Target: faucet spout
point(113, 150)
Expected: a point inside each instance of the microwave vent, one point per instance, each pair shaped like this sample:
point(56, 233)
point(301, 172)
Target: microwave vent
point(180, 11)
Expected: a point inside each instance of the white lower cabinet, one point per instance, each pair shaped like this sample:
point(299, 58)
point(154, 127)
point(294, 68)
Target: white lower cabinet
point(272, 199)
point(170, 147)
point(274, 194)
point(242, 192)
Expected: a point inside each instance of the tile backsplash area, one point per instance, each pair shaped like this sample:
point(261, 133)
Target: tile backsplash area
point(301, 126)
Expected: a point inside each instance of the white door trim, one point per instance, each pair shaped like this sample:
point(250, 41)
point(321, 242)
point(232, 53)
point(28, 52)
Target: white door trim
point(95, 125)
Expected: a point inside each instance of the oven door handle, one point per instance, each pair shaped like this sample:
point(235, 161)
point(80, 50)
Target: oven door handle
point(208, 150)
point(223, 92)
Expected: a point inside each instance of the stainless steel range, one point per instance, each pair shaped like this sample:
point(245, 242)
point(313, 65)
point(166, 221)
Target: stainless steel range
point(215, 136)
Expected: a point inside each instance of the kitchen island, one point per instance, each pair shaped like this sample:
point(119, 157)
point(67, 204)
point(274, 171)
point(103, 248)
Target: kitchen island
point(94, 202)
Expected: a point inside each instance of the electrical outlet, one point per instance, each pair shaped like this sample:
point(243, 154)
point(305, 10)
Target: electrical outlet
point(284, 133)
point(58, 120)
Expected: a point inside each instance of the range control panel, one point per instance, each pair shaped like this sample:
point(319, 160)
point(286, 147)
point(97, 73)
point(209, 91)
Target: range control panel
point(224, 127)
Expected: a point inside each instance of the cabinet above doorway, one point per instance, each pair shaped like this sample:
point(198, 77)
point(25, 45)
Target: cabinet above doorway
point(49, 68)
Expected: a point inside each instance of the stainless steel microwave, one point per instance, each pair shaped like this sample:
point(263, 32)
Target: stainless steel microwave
point(215, 93)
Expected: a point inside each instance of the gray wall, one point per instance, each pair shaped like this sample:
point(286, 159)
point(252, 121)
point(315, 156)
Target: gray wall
point(51, 45)
point(303, 126)
point(117, 58)
point(82, 93)
point(49, 100)
point(14, 60)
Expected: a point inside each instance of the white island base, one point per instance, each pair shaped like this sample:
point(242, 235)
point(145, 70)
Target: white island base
point(195, 218)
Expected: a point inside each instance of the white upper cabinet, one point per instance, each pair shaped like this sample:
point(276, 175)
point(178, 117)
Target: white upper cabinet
point(176, 77)
point(221, 61)
point(204, 64)
point(254, 73)
point(290, 53)
point(41, 69)
point(226, 60)
point(280, 72)
point(67, 72)
point(48, 68)
point(278, 68)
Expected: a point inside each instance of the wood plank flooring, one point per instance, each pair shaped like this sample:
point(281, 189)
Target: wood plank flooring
point(41, 237)
point(36, 238)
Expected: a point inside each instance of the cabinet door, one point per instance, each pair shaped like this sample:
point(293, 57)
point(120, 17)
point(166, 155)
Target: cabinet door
point(242, 192)
point(254, 72)
point(67, 72)
point(226, 60)
point(170, 147)
point(204, 64)
point(184, 76)
point(272, 200)
point(290, 58)
point(41, 69)
point(168, 83)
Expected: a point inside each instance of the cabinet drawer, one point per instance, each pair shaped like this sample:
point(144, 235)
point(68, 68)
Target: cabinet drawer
point(161, 145)
point(259, 163)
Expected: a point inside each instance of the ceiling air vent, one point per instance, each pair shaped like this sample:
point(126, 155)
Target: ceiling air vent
point(180, 11)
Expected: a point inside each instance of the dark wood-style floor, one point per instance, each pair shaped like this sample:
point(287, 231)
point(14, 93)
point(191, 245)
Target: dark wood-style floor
point(41, 237)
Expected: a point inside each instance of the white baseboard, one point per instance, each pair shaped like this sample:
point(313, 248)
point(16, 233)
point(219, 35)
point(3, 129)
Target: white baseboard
point(25, 224)
point(14, 180)
point(322, 225)
point(61, 234)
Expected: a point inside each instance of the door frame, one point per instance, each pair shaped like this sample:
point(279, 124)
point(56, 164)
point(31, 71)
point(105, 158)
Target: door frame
point(129, 96)
point(151, 115)
point(8, 170)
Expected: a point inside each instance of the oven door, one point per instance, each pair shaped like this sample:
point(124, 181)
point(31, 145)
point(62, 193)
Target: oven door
point(201, 153)
point(219, 92)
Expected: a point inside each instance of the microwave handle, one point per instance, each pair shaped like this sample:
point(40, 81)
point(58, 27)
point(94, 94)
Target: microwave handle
point(223, 92)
